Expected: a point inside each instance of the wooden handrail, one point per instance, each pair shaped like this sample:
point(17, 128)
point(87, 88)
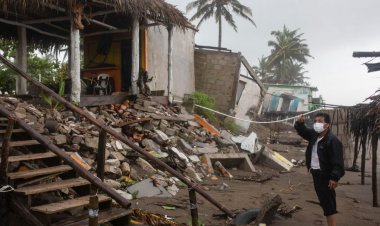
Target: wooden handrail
point(112, 132)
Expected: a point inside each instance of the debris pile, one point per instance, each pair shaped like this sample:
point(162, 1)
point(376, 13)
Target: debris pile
point(167, 133)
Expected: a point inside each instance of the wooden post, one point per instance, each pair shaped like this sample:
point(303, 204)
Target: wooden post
point(21, 59)
point(375, 140)
point(93, 208)
point(5, 151)
point(364, 150)
point(170, 63)
point(75, 63)
point(101, 157)
point(356, 153)
point(193, 207)
point(135, 55)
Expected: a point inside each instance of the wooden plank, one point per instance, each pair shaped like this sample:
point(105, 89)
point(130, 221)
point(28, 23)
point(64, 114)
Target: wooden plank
point(39, 172)
point(86, 101)
point(67, 204)
point(104, 217)
point(41, 188)
point(22, 143)
point(28, 157)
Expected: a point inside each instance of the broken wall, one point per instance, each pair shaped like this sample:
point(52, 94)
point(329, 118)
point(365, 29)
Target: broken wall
point(217, 74)
point(183, 60)
point(247, 102)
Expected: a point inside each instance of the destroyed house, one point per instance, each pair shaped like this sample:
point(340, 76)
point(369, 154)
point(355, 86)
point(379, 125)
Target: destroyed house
point(283, 99)
point(230, 80)
point(126, 47)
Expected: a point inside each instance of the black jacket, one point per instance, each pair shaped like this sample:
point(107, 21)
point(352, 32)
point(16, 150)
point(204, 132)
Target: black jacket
point(330, 151)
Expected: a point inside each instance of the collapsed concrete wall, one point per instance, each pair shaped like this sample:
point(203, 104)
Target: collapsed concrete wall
point(217, 74)
point(247, 101)
point(183, 60)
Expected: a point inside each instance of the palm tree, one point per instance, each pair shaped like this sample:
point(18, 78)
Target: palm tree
point(219, 9)
point(262, 70)
point(288, 48)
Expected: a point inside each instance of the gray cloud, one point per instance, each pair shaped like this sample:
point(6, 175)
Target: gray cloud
point(333, 29)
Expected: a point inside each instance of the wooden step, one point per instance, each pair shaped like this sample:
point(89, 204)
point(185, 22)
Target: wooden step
point(61, 206)
point(21, 143)
point(39, 172)
point(18, 158)
point(2, 131)
point(41, 188)
point(104, 217)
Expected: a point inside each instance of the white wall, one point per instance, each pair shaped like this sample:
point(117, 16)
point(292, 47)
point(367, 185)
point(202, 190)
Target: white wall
point(250, 98)
point(183, 60)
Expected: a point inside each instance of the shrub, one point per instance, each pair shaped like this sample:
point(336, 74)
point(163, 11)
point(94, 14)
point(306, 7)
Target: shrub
point(205, 100)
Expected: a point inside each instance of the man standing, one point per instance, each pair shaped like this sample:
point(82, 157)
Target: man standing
point(324, 160)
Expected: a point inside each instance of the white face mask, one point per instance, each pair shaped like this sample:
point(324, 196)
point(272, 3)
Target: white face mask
point(318, 127)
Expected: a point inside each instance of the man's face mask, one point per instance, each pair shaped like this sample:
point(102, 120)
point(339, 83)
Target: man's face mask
point(318, 127)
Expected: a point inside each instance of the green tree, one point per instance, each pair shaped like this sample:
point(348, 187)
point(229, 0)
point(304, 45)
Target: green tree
point(263, 70)
point(219, 9)
point(288, 55)
point(40, 66)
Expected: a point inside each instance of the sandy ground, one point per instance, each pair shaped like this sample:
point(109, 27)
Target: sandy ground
point(296, 188)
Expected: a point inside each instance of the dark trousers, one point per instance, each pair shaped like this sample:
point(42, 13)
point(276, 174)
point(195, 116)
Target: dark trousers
point(326, 196)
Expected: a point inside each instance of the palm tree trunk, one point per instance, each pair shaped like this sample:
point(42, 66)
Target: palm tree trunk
point(220, 32)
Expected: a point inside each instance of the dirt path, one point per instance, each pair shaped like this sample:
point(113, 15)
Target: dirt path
point(296, 188)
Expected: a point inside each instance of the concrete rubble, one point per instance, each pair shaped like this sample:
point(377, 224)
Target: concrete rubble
point(165, 132)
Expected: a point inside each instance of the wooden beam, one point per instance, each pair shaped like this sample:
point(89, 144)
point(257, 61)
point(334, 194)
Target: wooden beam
point(64, 18)
point(374, 141)
point(58, 27)
point(21, 59)
point(103, 24)
point(107, 32)
point(135, 55)
point(101, 155)
point(75, 64)
point(366, 54)
point(32, 28)
point(193, 207)
point(253, 75)
point(170, 64)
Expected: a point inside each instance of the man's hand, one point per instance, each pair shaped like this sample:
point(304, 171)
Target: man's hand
point(333, 184)
point(301, 120)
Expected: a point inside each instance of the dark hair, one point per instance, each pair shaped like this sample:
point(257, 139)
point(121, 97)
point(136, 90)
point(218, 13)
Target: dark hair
point(325, 116)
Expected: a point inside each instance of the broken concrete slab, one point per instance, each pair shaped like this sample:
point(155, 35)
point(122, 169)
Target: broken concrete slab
point(247, 143)
point(161, 135)
point(275, 160)
point(185, 147)
point(180, 155)
point(60, 139)
point(91, 142)
point(125, 168)
point(232, 160)
point(191, 173)
point(147, 188)
point(145, 165)
point(112, 183)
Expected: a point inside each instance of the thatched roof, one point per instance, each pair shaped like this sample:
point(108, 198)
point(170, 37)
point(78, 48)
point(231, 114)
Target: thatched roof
point(118, 11)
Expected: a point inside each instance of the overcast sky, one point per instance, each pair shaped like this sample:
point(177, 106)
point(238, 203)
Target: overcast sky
point(333, 30)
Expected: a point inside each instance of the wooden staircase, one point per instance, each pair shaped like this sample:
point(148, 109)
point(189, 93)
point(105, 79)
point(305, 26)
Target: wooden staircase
point(33, 184)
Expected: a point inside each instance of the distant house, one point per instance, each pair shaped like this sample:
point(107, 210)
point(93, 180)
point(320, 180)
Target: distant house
point(282, 99)
point(228, 78)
